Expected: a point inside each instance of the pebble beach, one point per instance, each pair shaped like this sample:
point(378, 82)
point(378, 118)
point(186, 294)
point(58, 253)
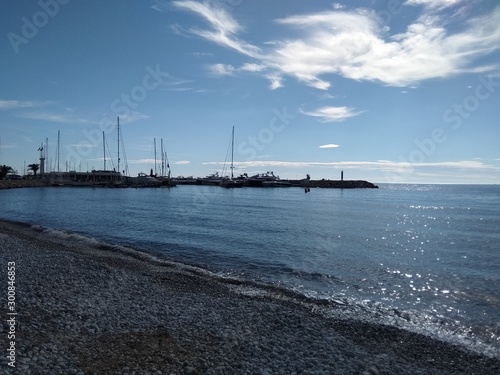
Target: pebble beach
point(102, 309)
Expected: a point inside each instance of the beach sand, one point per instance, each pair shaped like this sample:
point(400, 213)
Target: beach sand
point(86, 309)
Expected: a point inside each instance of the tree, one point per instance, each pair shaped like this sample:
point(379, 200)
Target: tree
point(34, 168)
point(4, 170)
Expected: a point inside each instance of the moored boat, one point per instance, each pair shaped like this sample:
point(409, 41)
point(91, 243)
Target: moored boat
point(230, 183)
point(211, 179)
point(144, 180)
point(267, 179)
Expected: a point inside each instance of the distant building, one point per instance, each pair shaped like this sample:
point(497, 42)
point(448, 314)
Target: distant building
point(13, 176)
point(85, 178)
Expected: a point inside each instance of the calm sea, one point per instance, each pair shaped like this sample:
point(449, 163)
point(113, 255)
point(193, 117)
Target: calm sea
point(422, 257)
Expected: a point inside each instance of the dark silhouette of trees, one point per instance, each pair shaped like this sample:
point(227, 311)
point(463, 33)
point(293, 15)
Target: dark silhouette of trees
point(34, 168)
point(4, 170)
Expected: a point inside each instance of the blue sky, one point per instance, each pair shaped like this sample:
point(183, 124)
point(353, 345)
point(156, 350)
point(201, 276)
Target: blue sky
point(387, 91)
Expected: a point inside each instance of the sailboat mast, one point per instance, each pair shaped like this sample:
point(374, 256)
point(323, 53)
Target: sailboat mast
point(162, 158)
point(58, 148)
point(118, 128)
point(104, 148)
point(232, 151)
point(47, 160)
point(154, 140)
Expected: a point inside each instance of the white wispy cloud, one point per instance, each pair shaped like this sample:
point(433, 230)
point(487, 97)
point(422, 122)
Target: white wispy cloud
point(434, 4)
point(224, 28)
point(6, 146)
point(222, 69)
point(352, 44)
point(68, 116)
point(85, 145)
point(177, 29)
point(202, 54)
point(276, 81)
point(332, 114)
point(172, 83)
point(182, 162)
point(142, 161)
point(177, 81)
point(64, 117)
point(21, 104)
point(160, 5)
point(132, 116)
point(179, 89)
point(250, 67)
point(329, 145)
point(355, 45)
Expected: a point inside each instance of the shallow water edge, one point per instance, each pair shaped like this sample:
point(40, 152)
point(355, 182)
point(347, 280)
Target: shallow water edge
point(242, 300)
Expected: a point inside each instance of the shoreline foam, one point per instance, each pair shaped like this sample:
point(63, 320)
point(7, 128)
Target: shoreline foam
point(99, 310)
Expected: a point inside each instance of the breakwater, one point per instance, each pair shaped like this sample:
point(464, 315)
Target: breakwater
point(336, 184)
point(329, 184)
point(11, 184)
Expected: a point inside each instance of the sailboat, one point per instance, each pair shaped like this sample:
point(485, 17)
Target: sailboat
point(231, 182)
point(165, 165)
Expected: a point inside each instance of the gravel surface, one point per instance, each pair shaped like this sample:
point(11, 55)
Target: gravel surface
point(96, 310)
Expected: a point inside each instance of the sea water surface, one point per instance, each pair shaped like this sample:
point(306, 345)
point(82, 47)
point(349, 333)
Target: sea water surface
point(422, 257)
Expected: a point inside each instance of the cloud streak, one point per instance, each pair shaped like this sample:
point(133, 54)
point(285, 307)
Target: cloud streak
point(132, 116)
point(224, 28)
point(54, 117)
point(19, 104)
point(379, 165)
point(434, 4)
point(332, 114)
point(222, 69)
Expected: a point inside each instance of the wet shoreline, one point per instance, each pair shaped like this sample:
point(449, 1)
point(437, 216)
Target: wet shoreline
point(90, 310)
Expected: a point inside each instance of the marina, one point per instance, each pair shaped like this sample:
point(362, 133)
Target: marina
point(160, 174)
